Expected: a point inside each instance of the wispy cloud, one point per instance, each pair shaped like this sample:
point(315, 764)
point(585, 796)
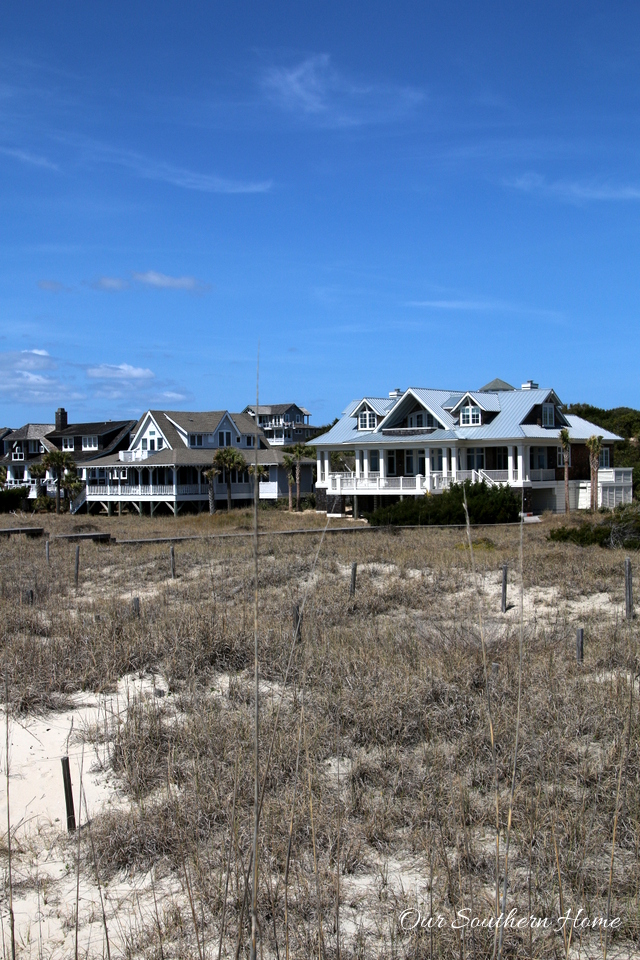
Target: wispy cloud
point(121, 371)
point(25, 156)
point(487, 305)
point(29, 373)
point(110, 284)
point(319, 92)
point(53, 286)
point(162, 281)
point(159, 170)
point(575, 191)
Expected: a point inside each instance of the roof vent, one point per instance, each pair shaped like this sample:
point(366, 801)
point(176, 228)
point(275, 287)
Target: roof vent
point(529, 385)
point(394, 394)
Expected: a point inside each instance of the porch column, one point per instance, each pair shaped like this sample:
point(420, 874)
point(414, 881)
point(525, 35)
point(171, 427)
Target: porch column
point(427, 468)
point(520, 464)
point(445, 464)
point(175, 481)
point(366, 462)
point(383, 466)
point(510, 463)
point(319, 455)
point(454, 464)
point(357, 465)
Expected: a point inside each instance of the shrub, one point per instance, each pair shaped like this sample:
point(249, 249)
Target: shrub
point(619, 529)
point(11, 498)
point(485, 504)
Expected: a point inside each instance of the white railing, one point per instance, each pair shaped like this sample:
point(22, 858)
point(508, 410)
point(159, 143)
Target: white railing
point(514, 475)
point(498, 476)
point(463, 475)
point(540, 474)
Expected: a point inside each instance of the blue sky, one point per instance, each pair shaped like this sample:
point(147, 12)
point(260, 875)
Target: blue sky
point(381, 195)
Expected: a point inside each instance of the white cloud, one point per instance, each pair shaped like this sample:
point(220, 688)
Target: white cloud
point(30, 158)
point(121, 371)
point(53, 286)
point(164, 172)
point(317, 90)
point(110, 284)
point(28, 374)
point(38, 353)
point(459, 304)
point(163, 281)
point(575, 191)
point(171, 395)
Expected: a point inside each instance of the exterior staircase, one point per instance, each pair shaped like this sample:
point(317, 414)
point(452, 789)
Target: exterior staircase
point(79, 501)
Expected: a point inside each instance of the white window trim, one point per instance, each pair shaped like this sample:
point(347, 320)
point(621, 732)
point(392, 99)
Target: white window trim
point(67, 443)
point(560, 460)
point(604, 454)
point(548, 408)
point(89, 443)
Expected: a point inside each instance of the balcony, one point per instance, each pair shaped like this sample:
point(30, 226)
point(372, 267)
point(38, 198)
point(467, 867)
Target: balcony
point(615, 475)
point(181, 491)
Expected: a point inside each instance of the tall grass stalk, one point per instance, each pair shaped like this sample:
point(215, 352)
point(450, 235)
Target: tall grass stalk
point(12, 929)
point(313, 842)
point(231, 835)
point(95, 866)
point(505, 885)
point(256, 718)
point(489, 715)
point(78, 856)
point(286, 869)
point(617, 810)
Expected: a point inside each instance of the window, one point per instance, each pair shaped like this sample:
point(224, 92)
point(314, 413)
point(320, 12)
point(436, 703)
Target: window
point(286, 418)
point(538, 458)
point(249, 441)
point(67, 443)
point(391, 463)
point(224, 438)
point(475, 458)
point(421, 463)
point(144, 444)
point(436, 459)
point(502, 458)
point(362, 420)
point(603, 459)
point(470, 416)
point(419, 420)
point(160, 443)
point(322, 465)
point(372, 421)
point(560, 460)
point(152, 444)
point(362, 463)
point(408, 463)
point(548, 415)
point(227, 439)
point(297, 418)
point(89, 443)
point(374, 461)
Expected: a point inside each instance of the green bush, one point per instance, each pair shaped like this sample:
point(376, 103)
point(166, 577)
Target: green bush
point(485, 504)
point(619, 529)
point(11, 498)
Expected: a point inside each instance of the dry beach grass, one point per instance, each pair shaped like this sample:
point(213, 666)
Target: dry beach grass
point(380, 791)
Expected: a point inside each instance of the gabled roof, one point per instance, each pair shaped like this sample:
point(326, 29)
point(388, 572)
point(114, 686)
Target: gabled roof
point(580, 429)
point(489, 402)
point(380, 405)
point(275, 409)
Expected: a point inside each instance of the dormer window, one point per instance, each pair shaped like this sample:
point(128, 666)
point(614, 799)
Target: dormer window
point(470, 416)
point(367, 420)
point(196, 439)
point(548, 415)
point(67, 443)
point(89, 443)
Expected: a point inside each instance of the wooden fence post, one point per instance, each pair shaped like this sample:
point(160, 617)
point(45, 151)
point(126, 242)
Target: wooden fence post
point(354, 572)
point(172, 561)
point(580, 645)
point(628, 590)
point(77, 563)
point(136, 606)
point(297, 622)
point(68, 795)
point(505, 569)
point(46, 550)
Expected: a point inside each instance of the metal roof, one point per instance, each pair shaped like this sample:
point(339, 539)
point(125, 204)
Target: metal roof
point(511, 408)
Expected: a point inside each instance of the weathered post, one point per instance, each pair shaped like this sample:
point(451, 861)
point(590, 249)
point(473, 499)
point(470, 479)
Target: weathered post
point(68, 795)
point(172, 561)
point(354, 572)
point(46, 550)
point(580, 644)
point(77, 563)
point(297, 622)
point(505, 569)
point(628, 590)
point(136, 606)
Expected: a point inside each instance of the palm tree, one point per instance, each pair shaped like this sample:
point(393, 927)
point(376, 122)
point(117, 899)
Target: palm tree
point(290, 467)
point(298, 454)
point(594, 444)
point(38, 472)
point(210, 476)
point(565, 442)
point(225, 460)
point(59, 462)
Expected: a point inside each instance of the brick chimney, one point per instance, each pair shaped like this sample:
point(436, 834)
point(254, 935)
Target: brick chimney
point(61, 419)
